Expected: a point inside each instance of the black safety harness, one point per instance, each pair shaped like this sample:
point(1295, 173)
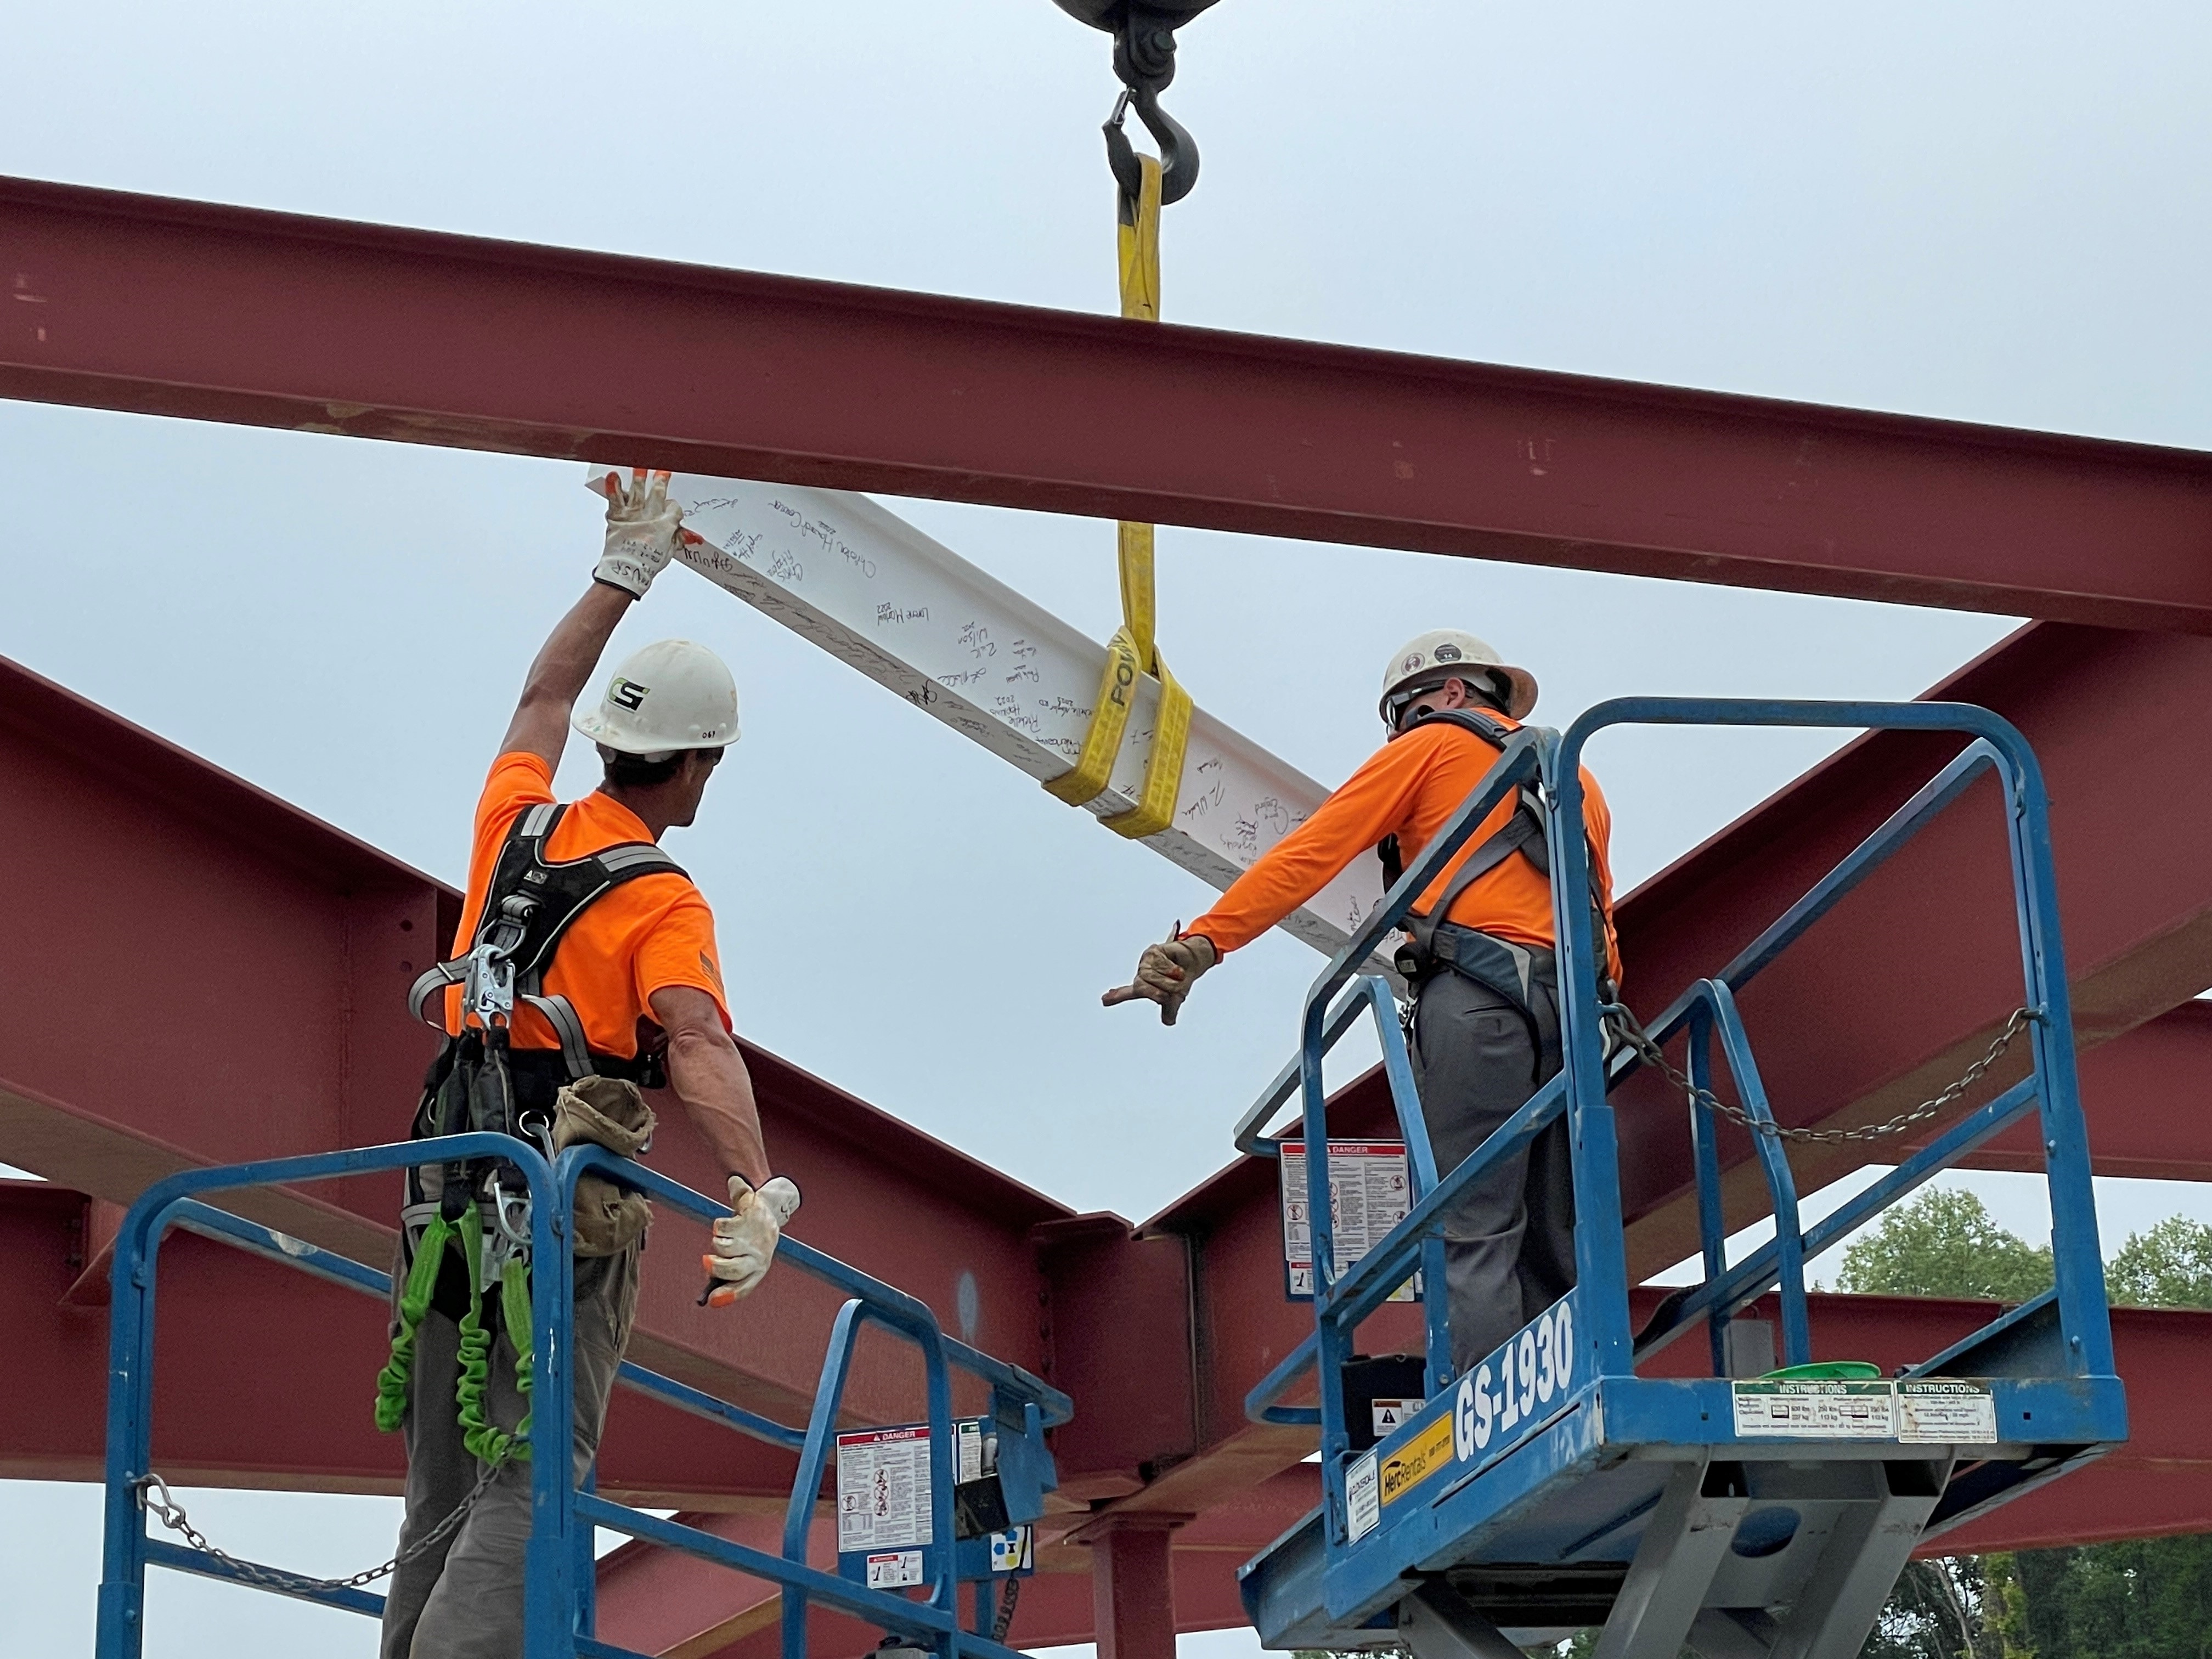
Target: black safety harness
point(480, 1081)
point(1526, 976)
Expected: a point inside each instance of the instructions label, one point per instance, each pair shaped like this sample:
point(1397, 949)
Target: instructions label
point(882, 1492)
point(1368, 1194)
point(883, 1485)
point(1009, 1550)
point(1773, 1408)
point(894, 1569)
point(1946, 1411)
point(1361, 1498)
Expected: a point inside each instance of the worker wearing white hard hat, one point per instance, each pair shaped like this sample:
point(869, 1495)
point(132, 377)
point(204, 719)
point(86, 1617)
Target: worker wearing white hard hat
point(1480, 958)
point(599, 953)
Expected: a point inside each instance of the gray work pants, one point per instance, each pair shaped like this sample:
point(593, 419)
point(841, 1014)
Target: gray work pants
point(463, 1599)
point(1510, 1242)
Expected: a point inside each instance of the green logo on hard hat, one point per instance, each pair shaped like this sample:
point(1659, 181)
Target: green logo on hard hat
point(627, 694)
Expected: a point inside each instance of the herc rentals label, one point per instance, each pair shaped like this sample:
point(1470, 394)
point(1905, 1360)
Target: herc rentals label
point(1416, 1460)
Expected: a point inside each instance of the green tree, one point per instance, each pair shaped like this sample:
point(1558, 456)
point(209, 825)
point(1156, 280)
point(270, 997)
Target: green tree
point(2141, 1598)
point(2168, 1266)
point(1945, 1243)
point(1936, 1612)
point(2147, 1598)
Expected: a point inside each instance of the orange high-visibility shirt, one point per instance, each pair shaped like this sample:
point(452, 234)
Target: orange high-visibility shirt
point(633, 940)
point(1408, 788)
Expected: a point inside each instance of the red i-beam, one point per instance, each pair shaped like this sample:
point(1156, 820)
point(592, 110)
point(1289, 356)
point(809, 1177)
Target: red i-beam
point(167, 308)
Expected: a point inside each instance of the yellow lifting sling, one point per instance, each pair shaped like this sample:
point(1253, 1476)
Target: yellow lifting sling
point(1133, 651)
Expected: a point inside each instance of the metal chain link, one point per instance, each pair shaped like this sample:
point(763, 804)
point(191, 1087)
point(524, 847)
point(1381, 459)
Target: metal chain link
point(1625, 1025)
point(171, 1513)
point(1008, 1599)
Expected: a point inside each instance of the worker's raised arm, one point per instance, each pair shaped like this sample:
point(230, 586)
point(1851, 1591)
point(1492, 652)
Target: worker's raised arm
point(643, 528)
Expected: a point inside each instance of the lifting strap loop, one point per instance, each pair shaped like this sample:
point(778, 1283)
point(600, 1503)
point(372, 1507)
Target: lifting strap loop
point(1133, 650)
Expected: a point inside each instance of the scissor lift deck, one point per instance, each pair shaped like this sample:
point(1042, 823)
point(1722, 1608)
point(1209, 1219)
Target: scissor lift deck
point(1550, 1488)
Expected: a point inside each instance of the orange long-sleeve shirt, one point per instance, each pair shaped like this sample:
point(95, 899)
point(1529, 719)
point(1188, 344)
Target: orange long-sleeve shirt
point(1409, 787)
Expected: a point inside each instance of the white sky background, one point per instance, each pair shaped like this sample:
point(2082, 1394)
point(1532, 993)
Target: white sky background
point(1992, 212)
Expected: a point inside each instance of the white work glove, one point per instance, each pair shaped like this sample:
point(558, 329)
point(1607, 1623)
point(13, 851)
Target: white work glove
point(1165, 974)
point(745, 1242)
point(643, 530)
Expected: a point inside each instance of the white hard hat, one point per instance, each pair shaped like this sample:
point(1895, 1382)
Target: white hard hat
point(672, 695)
point(1444, 648)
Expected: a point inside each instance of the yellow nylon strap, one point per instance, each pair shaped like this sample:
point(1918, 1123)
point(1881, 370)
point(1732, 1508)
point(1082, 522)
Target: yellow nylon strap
point(1133, 650)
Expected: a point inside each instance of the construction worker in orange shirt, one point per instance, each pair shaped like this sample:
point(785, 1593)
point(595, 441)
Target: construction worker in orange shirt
point(1485, 1029)
point(586, 970)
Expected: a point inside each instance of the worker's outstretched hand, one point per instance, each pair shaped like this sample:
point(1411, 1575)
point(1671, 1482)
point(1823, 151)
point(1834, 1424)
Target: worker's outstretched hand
point(643, 530)
point(1165, 974)
point(745, 1241)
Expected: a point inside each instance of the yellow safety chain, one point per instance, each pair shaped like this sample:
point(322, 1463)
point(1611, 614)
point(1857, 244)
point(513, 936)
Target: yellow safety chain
point(1131, 650)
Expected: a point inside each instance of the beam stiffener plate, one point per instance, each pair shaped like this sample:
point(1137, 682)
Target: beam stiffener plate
point(915, 617)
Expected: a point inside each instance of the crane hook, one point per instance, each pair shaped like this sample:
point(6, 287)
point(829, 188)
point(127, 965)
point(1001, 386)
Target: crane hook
point(1178, 150)
point(1143, 62)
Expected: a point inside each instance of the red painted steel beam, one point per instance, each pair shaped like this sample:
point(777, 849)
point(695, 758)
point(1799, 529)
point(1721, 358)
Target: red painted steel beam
point(1891, 996)
point(2143, 1093)
point(1133, 1588)
point(209, 888)
point(242, 1401)
point(182, 309)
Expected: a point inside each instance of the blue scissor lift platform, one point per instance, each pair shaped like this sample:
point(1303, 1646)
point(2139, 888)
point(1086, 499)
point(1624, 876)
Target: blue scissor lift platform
point(969, 1530)
point(1551, 1488)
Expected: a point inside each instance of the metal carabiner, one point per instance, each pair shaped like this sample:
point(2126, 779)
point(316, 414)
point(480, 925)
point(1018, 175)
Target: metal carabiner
point(510, 1215)
point(539, 1128)
point(1178, 150)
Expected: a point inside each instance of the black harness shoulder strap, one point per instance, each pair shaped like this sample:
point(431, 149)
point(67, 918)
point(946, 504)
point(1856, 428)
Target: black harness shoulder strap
point(1523, 833)
point(531, 903)
point(541, 898)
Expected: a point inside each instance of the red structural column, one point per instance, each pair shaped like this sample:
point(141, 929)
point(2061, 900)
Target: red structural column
point(1132, 1585)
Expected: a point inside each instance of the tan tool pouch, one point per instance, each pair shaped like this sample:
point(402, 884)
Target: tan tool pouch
point(609, 1112)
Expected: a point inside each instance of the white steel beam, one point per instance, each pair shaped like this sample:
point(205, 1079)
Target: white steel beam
point(915, 617)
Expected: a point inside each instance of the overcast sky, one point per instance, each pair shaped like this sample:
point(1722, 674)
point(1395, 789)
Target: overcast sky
point(1992, 212)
